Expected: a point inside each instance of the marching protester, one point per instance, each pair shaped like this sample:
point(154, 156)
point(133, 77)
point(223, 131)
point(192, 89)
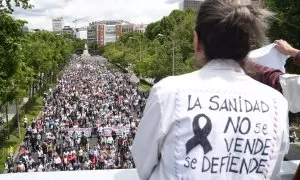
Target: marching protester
point(217, 122)
point(88, 122)
point(25, 121)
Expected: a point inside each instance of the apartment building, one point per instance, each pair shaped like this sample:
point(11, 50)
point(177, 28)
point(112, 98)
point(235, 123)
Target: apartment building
point(68, 30)
point(194, 4)
point(134, 28)
point(103, 32)
point(58, 25)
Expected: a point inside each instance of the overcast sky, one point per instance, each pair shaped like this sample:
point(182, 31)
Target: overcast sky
point(135, 11)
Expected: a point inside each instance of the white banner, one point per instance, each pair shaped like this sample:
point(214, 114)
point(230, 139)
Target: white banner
point(78, 131)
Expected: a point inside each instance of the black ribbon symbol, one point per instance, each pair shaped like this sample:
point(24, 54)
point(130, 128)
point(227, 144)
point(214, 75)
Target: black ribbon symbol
point(200, 137)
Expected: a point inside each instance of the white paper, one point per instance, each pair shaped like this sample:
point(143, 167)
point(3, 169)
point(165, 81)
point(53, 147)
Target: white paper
point(269, 56)
point(290, 89)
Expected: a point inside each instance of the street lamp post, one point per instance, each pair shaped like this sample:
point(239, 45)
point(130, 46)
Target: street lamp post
point(173, 49)
point(6, 114)
point(140, 46)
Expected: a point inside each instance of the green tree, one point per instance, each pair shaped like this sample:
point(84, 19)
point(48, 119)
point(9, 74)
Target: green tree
point(157, 55)
point(153, 29)
point(78, 44)
point(11, 35)
point(8, 5)
point(93, 46)
point(286, 24)
point(28, 61)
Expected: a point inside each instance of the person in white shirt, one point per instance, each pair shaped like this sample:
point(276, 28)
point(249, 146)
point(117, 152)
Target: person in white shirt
point(6, 167)
point(30, 161)
point(103, 140)
point(110, 140)
point(87, 164)
point(34, 131)
point(78, 140)
point(39, 137)
point(132, 124)
point(217, 122)
point(80, 155)
point(40, 168)
point(100, 130)
point(48, 135)
point(66, 153)
point(25, 121)
point(30, 170)
point(73, 152)
point(57, 162)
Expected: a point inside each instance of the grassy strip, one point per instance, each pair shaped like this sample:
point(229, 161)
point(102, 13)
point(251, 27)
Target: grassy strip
point(110, 65)
point(117, 66)
point(14, 142)
point(145, 87)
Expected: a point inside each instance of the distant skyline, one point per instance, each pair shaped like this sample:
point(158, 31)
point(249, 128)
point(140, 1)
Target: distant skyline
point(134, 11)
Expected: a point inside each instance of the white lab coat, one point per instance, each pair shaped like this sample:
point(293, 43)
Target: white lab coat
point(196, 126)
point(290, 84)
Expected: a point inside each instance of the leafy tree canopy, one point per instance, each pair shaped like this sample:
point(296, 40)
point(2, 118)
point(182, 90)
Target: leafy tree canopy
point(9, 5)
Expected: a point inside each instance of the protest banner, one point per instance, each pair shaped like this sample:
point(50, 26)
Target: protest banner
point(107, 131)
point(119, 130)
point(78, 131)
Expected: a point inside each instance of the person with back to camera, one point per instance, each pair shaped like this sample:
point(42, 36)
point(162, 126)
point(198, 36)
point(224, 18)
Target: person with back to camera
point(217, 122)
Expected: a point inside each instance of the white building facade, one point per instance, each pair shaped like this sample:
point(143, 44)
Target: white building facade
point(58, 24)
point(194, 4)
point(81, 33)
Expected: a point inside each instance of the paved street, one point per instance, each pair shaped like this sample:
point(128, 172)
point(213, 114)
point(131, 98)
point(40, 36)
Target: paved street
point(294, 151)
point(89, 96)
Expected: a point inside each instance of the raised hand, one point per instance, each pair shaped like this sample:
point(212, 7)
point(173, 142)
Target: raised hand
point(285, 48)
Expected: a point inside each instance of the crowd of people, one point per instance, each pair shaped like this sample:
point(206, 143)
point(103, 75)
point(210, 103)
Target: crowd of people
point(87, 122)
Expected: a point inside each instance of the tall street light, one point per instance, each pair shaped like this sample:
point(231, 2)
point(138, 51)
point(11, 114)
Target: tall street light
point(140, 46)
point(173, 42)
